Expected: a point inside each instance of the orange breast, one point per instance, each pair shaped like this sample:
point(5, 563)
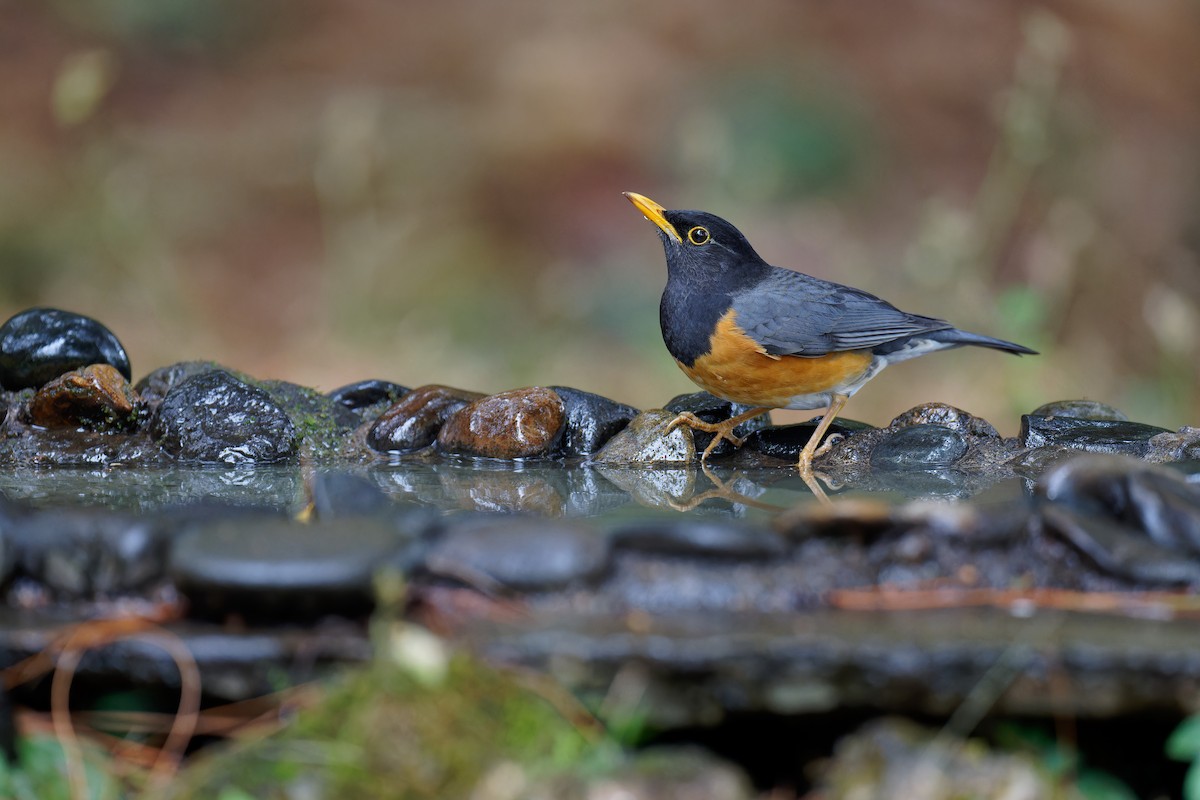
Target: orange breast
point(737, 368)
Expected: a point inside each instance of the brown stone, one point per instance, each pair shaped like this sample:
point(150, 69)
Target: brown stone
point(522, 423)
point(414, 421)
point(96, 397)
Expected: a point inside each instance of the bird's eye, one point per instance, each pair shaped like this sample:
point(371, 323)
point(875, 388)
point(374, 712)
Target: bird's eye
point(699, 235)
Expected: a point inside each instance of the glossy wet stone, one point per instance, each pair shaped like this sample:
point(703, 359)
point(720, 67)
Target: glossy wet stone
point(1079, 409)
point(517, 552)
point(522, 423)
point(155, 385)
point(922, 446)
point(40, 344)
point(216, 418)
point(361, 396)
point(414, 421)
point(591, 420)
point(713, 409)
point(786, 441)
point(645, 440)
point(947, 416)
point(1121, 550)
point(96, 397)
point(265, 567)
point(1093, 436)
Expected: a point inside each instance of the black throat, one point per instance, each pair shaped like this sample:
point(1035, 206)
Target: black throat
point(688, 315)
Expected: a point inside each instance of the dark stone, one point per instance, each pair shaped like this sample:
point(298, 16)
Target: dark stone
point(96, 397)
point(216, 418)
point(517, 552)
point(591, 420)
point(414, 421)
point(268, 567)
point(947, 416)
point(40, 344)
point(362, 395)
point(703, 538)
point(713, 409)
point(786, 441)
point(1119, 550)
point(645, 441)
point(83, 554)
point(522, 423)
point(1157, 501)
point(919, 447)
point(154, 387)
point(323, 425)
point(1079, 409)
point(1093, 436)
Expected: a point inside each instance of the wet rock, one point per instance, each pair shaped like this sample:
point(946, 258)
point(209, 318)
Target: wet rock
point(702, 538)
point(361, 396)
point(38, 449)
point(40, 344)
point(713, 409)
point(1093, 436)
point(83, 554)
point(522, 423)
point(1079, 409)
point(1182, 445)
point(521, 553)
point(591, 420)
point(96, 397)
point(414, 421)
point(645, 441)
point(154, 386)
point(1120, 550)
point(322, 424)
point(921, 446)
point(216, 418)
point(786, 441)
point(263, 567)
point(947, 416)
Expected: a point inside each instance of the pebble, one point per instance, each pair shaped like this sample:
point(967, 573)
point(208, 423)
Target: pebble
point(786, 441)
point(97, 397)
point(39, 344)
point(1079, 409)
point(519, 552)
point(1091, 435)
point(947, 416)
point(154, 386)
point(522, 423)
point(271, 566)
point(645, 441)
point(711, 408)
point(362, 395)
point(920, 446)
point(414, 421)
point(216, 418)
point(591, 420)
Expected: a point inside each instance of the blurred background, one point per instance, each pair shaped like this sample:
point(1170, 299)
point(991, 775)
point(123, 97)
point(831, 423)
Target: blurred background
point(326, 191)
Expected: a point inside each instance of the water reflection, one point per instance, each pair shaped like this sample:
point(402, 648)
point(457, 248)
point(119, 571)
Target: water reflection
point(545, 488)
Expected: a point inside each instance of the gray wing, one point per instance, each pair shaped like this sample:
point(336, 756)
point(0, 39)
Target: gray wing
point(790, 313)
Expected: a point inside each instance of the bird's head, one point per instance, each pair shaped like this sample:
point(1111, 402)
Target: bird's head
point(698, 243)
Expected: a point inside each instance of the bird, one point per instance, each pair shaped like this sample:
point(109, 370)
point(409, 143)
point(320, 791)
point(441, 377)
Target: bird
point(769, 337)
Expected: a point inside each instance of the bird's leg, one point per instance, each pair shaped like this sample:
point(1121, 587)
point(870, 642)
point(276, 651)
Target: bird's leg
point(811, 450)
point(723, 430)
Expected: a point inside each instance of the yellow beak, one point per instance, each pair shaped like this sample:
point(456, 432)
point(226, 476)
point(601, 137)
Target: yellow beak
point(653, 212)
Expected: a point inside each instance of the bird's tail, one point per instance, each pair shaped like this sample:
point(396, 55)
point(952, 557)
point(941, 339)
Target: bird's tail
point(955, 337)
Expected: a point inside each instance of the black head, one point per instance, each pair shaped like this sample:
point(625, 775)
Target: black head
point(701, 246)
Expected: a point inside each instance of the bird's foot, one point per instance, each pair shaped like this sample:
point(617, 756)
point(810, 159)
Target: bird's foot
point(722, 430)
